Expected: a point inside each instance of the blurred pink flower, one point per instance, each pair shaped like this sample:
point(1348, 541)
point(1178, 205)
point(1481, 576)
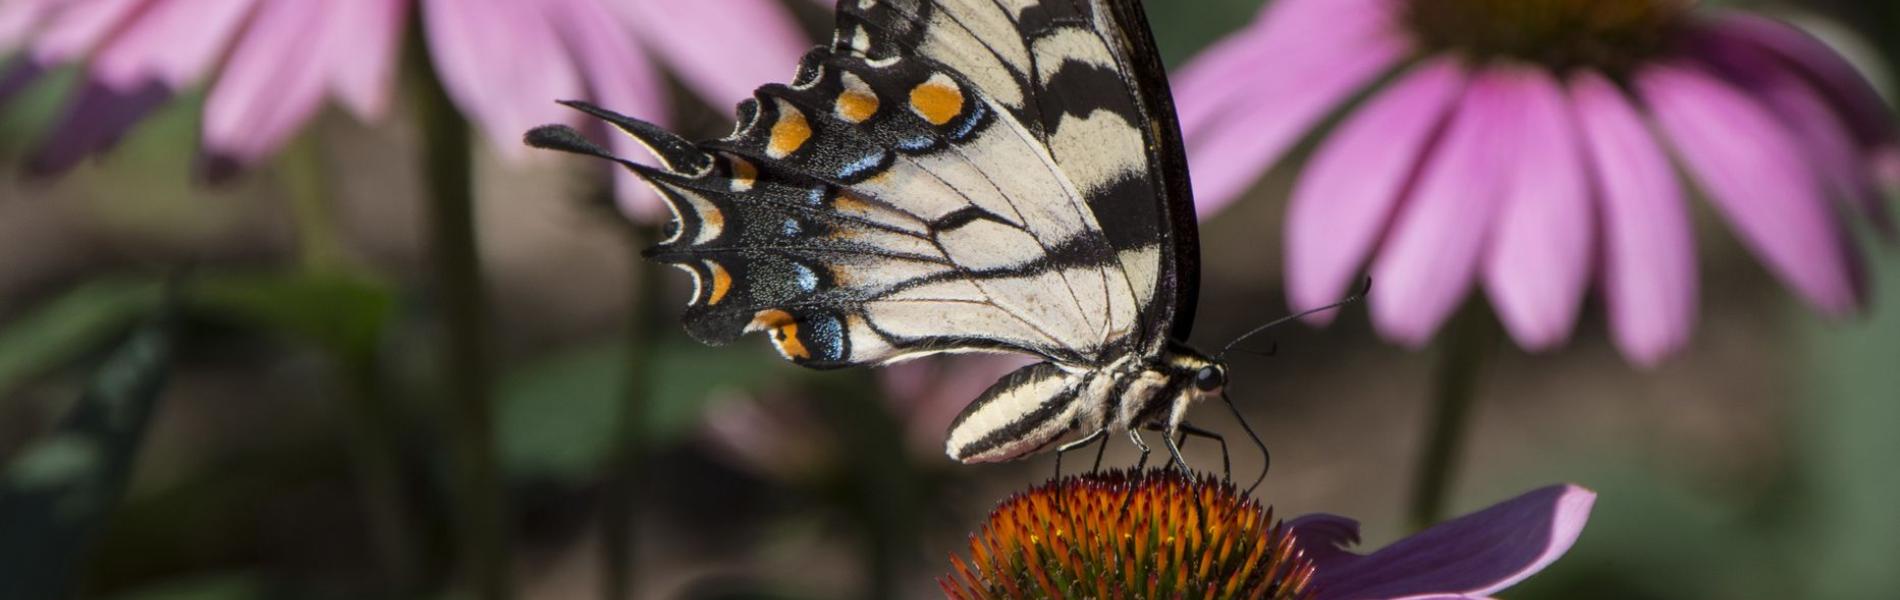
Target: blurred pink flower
point(1472, 556)
point(1529, 146)
point(275, 62)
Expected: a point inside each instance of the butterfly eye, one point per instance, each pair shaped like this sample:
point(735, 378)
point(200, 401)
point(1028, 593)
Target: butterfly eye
point(1210, 378)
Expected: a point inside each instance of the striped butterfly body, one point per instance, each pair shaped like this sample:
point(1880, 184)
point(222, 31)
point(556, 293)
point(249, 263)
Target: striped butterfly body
point(954, 176)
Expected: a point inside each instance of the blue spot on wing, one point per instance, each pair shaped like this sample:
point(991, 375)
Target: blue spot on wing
point(863, 165)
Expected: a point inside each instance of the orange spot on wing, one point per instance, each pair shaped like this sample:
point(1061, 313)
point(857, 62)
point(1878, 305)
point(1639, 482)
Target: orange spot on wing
point(744, 174)
point(784, 331)
point(789, 133)
point(937, 100)
point(856, 106)
point(721, 283)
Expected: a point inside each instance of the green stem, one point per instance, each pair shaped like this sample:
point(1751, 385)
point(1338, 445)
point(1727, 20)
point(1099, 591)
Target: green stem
point(319, 243)
point(621, 499)
point(1465, 342)
point(372, 424)
point(480, 498)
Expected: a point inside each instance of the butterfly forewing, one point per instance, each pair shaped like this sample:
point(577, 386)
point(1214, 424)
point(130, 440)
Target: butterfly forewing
point(946, 176)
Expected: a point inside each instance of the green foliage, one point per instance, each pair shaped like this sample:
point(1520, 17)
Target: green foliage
point(557, 417)
point(338, 312)
point(59, 332)
point(56, 493)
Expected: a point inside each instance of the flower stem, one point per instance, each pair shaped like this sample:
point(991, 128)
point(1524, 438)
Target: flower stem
point(319, 243)
point(621, 499)
point(1465, 342)
point(481, 503)
point(373, 424)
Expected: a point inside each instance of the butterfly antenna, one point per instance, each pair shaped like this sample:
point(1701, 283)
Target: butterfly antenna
point(1355, 297)
point(1266, 458)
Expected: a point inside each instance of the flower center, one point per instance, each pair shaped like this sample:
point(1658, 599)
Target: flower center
point(1608, 35)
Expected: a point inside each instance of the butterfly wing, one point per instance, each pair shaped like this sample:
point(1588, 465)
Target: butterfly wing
point(948, 175)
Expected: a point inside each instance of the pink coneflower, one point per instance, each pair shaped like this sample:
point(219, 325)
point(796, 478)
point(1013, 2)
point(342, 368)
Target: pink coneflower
point(1532, 145)
point(272, 63)
point(1158, 534)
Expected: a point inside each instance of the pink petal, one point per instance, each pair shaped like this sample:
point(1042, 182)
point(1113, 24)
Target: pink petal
point(1649, 253)
point(1868, 115)
point(1247, 104)
point(1538, 266)
point(174, 42)
point(1474, 555)
point(81, 26)
point(362, 52)
point(722, 49)
point(503, 66)
point(1828, 144)
point(270, 87)
point(1430, 258)
point(1343, 201)
point(1752, 170)
point(19, 19)
point(619, 76)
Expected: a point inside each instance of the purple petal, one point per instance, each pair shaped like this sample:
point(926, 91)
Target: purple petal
point(722, 49)
point(17, 74)
point(1649, 269)
point(619, 76)
point(1538, 266)
point(1324, 538)
point(175, 43)
point(94, 121)
point(272, 84)
point(362, 50)
point(1868, 116)
point(1249, 102)
point(1474, 555)
point(78, 28)
point(1752, 170)
point(503, 66)
point(1430, 258)
point(1344, 199)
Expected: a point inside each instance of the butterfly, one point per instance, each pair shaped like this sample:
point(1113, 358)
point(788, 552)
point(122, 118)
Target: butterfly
point(956, 176)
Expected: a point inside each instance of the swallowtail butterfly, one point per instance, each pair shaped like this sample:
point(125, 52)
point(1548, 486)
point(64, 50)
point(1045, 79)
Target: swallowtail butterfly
point(955, 176)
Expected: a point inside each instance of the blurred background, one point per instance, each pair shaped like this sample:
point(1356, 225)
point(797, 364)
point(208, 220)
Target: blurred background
point(258, 358)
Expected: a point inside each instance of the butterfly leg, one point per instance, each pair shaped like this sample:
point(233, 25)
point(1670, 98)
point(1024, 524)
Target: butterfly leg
point(1100, 434)
point(1100, 449)
point(1174, 451)
point(1135, 436)
point(1189, 431)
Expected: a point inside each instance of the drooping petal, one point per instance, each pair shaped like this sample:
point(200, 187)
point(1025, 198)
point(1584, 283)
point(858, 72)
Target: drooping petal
point(79, 28)
point(1827, 143)
point(1538, 265)
point(722, 49)
point(503, 66)
point(271, 86)
point(1752, 170)
point(1324, 539)
point(1345, 197)
point(364, 43)
point(1474, 555)
point(19, 19)
point(1869, 117)
point(1241, 113)
point(15, 75)
point(1649, 270)
point(175, 43)
point(1430, 259)
point(94, 121)
point(618, 75)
